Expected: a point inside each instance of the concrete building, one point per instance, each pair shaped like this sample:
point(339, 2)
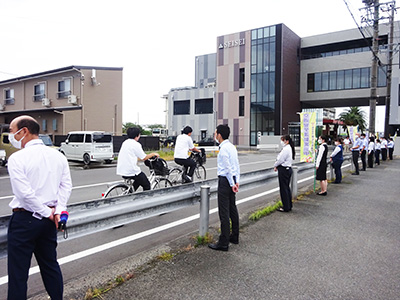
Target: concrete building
point(66, 99)
point(265, 76)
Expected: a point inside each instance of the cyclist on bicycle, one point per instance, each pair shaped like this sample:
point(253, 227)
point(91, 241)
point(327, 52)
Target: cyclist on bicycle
point(128, 156)
point(183, 145)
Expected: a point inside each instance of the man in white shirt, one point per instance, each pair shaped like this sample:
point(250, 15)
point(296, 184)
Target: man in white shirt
point(41, 183)
point(128, 156)
point(183, 145)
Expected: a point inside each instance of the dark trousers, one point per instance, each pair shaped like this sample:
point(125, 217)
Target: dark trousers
point(377, 153)
point(371, 159)
point(355, 155)
point(27, 235)
point(139, 180)
point(227, 211)
point(391, 153)
point(384, 154)
point(284, 175)
point(337, 165)
point(364, 159)
point(188, 163)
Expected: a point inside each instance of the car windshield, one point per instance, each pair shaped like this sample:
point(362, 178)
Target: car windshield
point(46, 140)
point(102, 138)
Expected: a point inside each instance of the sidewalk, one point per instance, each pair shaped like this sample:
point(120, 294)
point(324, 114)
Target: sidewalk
point(342, 246)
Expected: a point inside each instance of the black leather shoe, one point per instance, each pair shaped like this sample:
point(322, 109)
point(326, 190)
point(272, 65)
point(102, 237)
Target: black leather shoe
point(234, 240)
point(218, 247)
point(355, 173)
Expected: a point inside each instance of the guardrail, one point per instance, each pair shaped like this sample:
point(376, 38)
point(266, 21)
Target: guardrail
point(102, 214)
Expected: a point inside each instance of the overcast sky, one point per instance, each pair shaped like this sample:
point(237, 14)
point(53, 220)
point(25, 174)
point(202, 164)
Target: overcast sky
point(154, 41)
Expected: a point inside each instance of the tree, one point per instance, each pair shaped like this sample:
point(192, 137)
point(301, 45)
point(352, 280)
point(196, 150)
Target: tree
point(352, 117)
point(127, 125)
point(156, 126)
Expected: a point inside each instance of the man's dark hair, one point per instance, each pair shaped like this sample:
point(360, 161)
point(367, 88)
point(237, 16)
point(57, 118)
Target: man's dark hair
point(187, 130)
point(224, 131)
point(363, 134)
point(133, 132)
point(31, 124)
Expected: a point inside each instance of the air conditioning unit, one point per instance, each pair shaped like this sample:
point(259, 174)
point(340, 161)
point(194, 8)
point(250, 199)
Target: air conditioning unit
point(2, 107)
point(72, 99)
point(46, 102)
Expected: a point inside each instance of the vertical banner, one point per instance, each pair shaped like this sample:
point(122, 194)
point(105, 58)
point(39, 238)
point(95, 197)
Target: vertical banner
point(352, 133)
point(308, 123)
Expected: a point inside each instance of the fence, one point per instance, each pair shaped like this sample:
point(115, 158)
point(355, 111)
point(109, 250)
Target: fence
point(102, 214)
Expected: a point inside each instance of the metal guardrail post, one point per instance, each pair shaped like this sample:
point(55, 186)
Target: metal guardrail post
point(204, 209)
point(293, 182)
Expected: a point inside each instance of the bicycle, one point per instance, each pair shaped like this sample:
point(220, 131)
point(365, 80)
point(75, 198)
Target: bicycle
point(158, 179)
point(176, 174)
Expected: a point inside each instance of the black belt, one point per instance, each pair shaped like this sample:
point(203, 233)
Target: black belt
point(19, 209)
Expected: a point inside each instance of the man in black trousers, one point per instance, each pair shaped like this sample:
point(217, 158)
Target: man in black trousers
point(355, 151)
point(228, 185)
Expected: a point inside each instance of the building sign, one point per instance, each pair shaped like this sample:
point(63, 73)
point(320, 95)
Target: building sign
point(230, 44)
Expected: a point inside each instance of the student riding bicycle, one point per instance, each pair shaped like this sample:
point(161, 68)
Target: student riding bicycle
point(128, 156)
point(183, 145)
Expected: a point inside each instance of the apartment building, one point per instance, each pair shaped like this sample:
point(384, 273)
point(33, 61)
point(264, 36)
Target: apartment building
point(66, 99)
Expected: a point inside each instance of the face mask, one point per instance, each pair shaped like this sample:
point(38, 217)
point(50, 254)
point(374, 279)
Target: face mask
point(337, 143)
point(320, 142)
point(13, 141)
point(283, 144)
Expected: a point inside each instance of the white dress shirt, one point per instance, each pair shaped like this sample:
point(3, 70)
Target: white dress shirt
point(40, 178)
point(284, 158)
point(371, 147)
point(228, 162)
point(182, 146)
point(384, 144)
point(128, 156)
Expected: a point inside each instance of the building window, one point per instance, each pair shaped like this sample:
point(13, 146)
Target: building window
point(182, 107)
point(55, 124)
point(44, 125)
point(203, 106)
point(344, 79)
point(241, 78)
point(39, 91)
point(64, 88)
point(9, 96)
point(241, 106)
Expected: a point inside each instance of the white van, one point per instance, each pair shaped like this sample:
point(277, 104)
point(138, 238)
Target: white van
point(88, 146)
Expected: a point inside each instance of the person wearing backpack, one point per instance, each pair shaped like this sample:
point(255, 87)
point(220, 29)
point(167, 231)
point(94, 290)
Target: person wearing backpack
point(128, 156)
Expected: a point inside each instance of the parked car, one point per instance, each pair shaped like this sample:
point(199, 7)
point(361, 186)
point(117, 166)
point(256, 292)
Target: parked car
point(47, 140)
point(208, 142)
point(170, 140)
point(88, 146)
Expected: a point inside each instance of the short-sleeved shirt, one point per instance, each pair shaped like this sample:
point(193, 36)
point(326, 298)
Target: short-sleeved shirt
point(128, 156)
point(182, 146)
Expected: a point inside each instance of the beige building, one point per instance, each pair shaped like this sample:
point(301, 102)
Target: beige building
point(66, 99)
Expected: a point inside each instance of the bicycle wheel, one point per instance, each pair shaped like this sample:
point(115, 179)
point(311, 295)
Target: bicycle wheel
point(175, 176)
point(161, 183)
point(116, 190)
point(199, 173)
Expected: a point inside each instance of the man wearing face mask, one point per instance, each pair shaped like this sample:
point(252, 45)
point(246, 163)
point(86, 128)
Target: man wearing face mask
point(41, 183)
point(355, 151)
point(363, 151)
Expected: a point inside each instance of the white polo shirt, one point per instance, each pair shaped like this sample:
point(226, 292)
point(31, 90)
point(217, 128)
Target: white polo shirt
point(128, 156)
point(182, 146)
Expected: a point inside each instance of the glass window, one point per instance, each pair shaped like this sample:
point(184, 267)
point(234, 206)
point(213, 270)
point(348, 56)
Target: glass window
point(348, 76)
point(241, 106)
point(39, 91)
point(253, 89)
point(253, 55)
point(272, 57)
point(260, 68)
point(64, 88)
point(340, 80)
point(324, 81)
point(266, 32)
point(99, 138)
point(271, 86)
point(272, 31)
point(266, 58)
point(254, 34)
point(75, 138)
point(265, 87)
point(203, 106)
point(260, 33)
point(382, 76)
point(9, 96)
point(317, 82)
point(44, 125)
point(365, 78)
point(241, 78)
point(332, 80)
point(310, 82)
point(182, 107)
point(259, 87)
point(55, 124)
point(356, 78)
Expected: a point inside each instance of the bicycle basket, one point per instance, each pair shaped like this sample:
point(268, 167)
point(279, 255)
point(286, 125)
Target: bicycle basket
point(159, 166)
point(199, 157)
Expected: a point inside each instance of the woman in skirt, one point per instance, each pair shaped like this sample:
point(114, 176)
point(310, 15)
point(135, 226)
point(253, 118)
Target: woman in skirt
point(321, 165)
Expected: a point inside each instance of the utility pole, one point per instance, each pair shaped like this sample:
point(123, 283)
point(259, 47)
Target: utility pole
point(389, 69)
point(374, 69)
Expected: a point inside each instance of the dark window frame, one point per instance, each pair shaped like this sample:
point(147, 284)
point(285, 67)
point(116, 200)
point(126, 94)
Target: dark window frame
point(181, 107)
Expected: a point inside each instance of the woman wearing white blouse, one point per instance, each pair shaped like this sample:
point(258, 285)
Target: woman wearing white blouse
point(371, 150)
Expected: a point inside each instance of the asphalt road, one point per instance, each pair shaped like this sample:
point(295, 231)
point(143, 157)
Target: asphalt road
point(342, 246)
